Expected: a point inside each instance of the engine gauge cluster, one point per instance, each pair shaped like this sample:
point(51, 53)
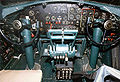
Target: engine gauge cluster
point(67, 15)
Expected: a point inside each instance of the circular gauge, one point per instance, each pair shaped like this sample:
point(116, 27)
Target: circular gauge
point(78, 17)
point(65, 17)
point(96, 14)
point(72, 10)
point(79, 10)
point(64, 9)
point(47, 18)
point(31, 13)
point(71, 17)
point(90, 13)
point(59, 18)
point(55, 8)
point(84, 18)
point(108, 25)
point(85, 13)
point(53, 18)
point(17, 24)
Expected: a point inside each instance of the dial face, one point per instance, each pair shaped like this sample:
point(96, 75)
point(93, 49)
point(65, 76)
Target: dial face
point(63, 9)
point(71, 17)
point(96, 14)
point(47, 18)
point(59, 18)
point(65, 17)
point(72, 10)
point(78, 17)
point(31, 13)
point(55, 9)
point(53, 18)
point(108, 25)
point(17, 24)
point(79, 10)
point(85, 13)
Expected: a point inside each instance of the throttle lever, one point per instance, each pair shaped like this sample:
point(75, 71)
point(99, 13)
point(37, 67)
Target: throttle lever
point(97, 36)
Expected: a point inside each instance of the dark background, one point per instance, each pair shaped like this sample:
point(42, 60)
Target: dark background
point(115, 2)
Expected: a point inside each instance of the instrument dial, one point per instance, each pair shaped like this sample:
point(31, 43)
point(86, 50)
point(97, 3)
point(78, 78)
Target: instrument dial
point(71, 17)
point(53, 18)
point(31, 13)
point(17, 24)
point(79, 10)
point(64, 9)
point(78, 17)
point(47, 18)
point(72, 10)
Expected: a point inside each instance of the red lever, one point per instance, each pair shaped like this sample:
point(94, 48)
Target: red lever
point(32, 35)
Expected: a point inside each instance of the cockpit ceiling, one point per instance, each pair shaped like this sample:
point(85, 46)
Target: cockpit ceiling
point(8, 2)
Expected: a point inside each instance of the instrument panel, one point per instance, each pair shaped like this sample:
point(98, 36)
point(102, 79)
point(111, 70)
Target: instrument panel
point(60, 15)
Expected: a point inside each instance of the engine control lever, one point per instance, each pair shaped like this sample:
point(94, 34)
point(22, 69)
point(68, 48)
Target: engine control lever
point(26, 33)
point(97, 35)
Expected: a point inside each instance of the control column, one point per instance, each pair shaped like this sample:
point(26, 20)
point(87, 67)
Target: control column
point(26, 33)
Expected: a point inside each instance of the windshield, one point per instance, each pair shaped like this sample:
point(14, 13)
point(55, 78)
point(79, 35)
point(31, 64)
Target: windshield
point(10, 2)
point(113, 2)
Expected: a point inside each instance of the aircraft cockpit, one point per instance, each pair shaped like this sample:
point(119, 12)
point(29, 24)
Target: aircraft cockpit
point(69, 41)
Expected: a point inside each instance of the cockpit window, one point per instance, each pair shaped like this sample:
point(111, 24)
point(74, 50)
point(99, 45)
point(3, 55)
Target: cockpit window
point(11, 2)
point(113, 2)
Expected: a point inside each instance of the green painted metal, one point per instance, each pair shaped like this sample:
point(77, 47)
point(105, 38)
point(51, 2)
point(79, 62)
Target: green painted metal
point(107, 57)
point(39, 44)
point(26, 33)
point(83, 46)
point(78, 65)
point(29, 49)
point(97, 34)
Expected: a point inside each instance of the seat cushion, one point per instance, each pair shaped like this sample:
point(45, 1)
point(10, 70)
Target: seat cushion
point(20, 76)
